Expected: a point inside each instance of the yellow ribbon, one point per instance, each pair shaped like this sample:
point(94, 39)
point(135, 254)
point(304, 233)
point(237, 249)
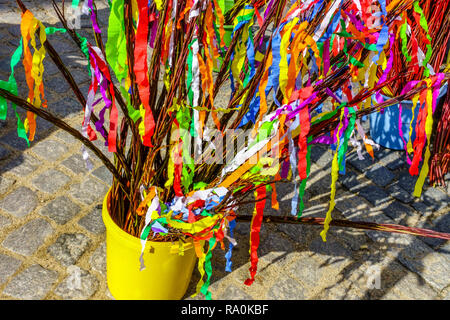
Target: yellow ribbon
point(334, 177)
point(428, 128)
point(33, 65)
point(409, 146)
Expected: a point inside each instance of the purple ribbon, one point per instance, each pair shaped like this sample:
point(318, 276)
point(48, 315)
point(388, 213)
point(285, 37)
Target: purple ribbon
point(383, 78)
point(331, 94)
point(269, 6)
point(301, 106)
point(93, 16)
point(103, 86)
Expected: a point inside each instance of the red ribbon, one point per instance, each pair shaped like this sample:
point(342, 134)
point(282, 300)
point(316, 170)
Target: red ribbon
point(302, 142)
point(420, 140)
point(254, 234)
point(196, 204)
point(140, 70)
point(113, 115)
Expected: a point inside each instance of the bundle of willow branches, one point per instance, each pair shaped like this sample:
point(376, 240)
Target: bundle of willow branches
point(310, 82)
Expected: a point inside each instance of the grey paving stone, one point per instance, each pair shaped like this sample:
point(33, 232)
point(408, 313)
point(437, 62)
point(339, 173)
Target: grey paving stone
point(5, 184)
point(78, 285)
point(88, 191)
point(66, 137)
point(306, 270)
point(353, 239)
point(21, 166)
point(19, 202)
point(57, 85)
point(28, 238)
point(75, 163)
point(350, 180)
point(100, 144)
point(350, 205)
point(343, 291)
point(8, 266)
point(62, 45)
point(42, 126)
point(441, 224)
point(331, 251)
point(375, 195)
point(321, 156)
point(406, 181)
point(360, 165)
point(242, 228)
point(103, 174)
point(299, 233)
point(5, 65)
point(399, 193)
point(4, 221)
point(84, 89)
point(422, 208)
point(431, 266)
point(398, 212)
point(50, 150)
point(274, 243)
point(411, 287)
point(32, 284)
point(50, 68)
point(447, 295)
point(69, 247)
point(98, 259)
point(390, 243)
point(374, 265)
point(379, 174)
point(93, 221)
point(4, 153)
point(393, 160)
point(11, 139)
point(286, 288)
point(67, 108)
point(50, 181)
point(80, 76)
point(61, 210)
point(435, 198)
point(234, 293)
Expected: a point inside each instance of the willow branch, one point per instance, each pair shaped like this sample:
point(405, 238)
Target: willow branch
point(391, 228)
point(64, 126)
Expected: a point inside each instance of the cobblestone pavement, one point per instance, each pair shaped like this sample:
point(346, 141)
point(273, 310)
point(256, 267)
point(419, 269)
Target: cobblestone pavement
point(51, 226)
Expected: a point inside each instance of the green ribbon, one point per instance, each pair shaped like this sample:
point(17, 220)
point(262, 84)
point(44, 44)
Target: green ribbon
point(133, 113)
point(208, 269)
point(11, 86)
point(188, 170)
point(264, 132)
point(424, 25)
point(189, 85)
point(116, 45)
point(403, 29)
point(200, 185)
point(348, 132)
point(352, 59)
point(328, 115)
point(304, 181)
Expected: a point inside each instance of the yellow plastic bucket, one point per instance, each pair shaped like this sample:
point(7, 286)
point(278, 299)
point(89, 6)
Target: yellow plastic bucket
point(167, 273)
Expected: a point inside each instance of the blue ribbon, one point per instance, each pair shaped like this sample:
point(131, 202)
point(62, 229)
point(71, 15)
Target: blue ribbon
point(229, 253)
